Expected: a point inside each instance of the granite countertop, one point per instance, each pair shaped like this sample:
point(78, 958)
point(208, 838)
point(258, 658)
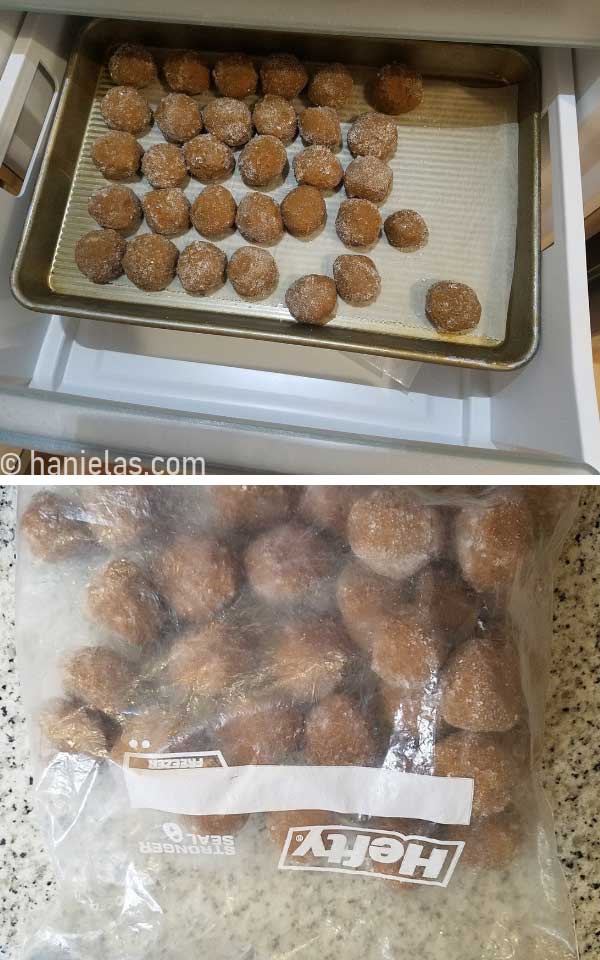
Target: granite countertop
point(571, 773)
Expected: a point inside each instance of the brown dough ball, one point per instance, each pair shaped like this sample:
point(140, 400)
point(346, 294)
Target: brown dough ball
point(358, 223)
point(493, 537)
point(70, 728)
point(253, 273)
point(201, 267)
point(289, 563)
point(178, 118)
point(311, 656)
point(356, 278)
point(338, 734)
point(488, 759)
point(262, 733)
point(283, 75)
point(262, 162)
point(132, 65)
point(320, 125)
point(55, 528)
point(118, 515)
point(275, 117)
point(258, 218)
point(548, 505)
point(452, 307)
point(197, 577)
point(397, 89)
point(406, 230)
point(373, 135)
point(116, 208)
point(394, 532)
point(482, 688)
point(331, 86)
point(125, 108)
point(413, 715)
point(368, 178)
point(151, 723)
point(164, 165)
point(303, 211)
point(99, 255)
point(280, 822)
point(150, 261)
point(186, 72)
point(318, 167)
point(167, 211)
point(208, 662)
point(249, 507)
point(312, 299)
point(235, 76)
point(208, 159)
point(100, 678)
point(117, 155)
point(328, 507)
point(215, 825)
point(228, 120)
point(444, 600)
point(364, 599)
point(405, 653)
point(122, 599)
point(490, 843)
point(213, 212)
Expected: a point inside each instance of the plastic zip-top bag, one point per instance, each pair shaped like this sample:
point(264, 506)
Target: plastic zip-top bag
point(279, 721)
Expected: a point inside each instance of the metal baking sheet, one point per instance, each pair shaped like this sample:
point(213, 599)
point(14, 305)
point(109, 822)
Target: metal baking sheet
point(466, 159)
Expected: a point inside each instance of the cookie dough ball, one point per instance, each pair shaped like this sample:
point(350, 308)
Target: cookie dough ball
point(118, 515)
point(318, 167)
point(207, 159)
point(54, 528)
point(150, 261)
point(213, 212)
point(197, 577)
point(443, 599)
point(208, 662)
point(249, 507)
point(482, 688)
point(289, 563)
point(493, 537)
point(365, 599)
point(397, 89)
point(70, 728)
point(358, 223)
point(490, 843)
point(311, 657)
point(164, 165)
point(330, 86)
point(235, 76)
point(452, 307)
point(259, 218)
point(275, 117)
point(228, 120)
point(368, 178)
point(280, 822)
point(132, 65)
point(117, 155)
point(253, 273)
point(356, 278)
point(394, 533)
point(215, 825)
point(303, 211)
point(338, 734)
point(283, 75)
point(100, 678)
point(116, 208)
point(373, 135)
point(488, 759)
point(167, 211)
point(312, 299)
point(99, 255)
point(186, 72)
point(125, 108)
point(262, 733)
point(548, 505)
point(201, 267)
point(178, 118)
point(320, 125)
point(262, 162)
point(406, 230)
point(122, 599)
point(328, 507)
point(152, 724)
point(405, 653)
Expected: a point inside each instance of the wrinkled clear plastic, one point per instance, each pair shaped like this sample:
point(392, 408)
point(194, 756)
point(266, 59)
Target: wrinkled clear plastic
point(379, 628)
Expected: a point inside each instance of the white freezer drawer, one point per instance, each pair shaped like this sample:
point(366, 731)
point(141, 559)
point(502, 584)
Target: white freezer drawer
point(74, 384)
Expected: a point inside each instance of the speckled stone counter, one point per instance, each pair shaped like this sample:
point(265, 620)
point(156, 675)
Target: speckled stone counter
point(571, 767)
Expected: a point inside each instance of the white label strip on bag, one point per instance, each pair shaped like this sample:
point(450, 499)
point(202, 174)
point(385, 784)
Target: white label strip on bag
point(195, 784)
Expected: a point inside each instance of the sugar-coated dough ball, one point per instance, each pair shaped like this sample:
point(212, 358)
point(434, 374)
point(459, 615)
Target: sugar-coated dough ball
point(150, 261)
point(452, 307)
point(394, 532)
point(364, 599)
point(491, 843)
point(262, 161)
point(356, 278)
point(207, 159)
point(54, 527)
point(125, 108)
point(358, 223)
point(213, 212)
point(186, 72)
point(493, 537)
point(289, 563)
point(122, 599)
point(152, 723)
point(259, 218)
point(99, 255)
point(320, 125)
point(405, 652)
point(167, 211)
point(482, 688)
point(488, 759)
point(253, 273)
point(311, 657)
point(373, 135)
point(70, 728)
point(208, 661)
point(303, 211)
point(262, 733)
point(283, 75)
point(312, 299)
point(275, 117)
point(338, 734)
point(133, 65)
point(235, 76)
point(117, 155)
point(280, 822)
point(116, 208)
point(178, 118)
point(164, 165)
point(368, 178)
point(99, 677)
point(330, 86)
point(201, 268)
point(444, 600)
point(397, 89)
point(197, 576)
point(215, 824)
point(118, 515)
point(318, 167)
point(548, 505)
point(328, 507)
point(247, 507)
point(229, 120)
point(406, 230)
